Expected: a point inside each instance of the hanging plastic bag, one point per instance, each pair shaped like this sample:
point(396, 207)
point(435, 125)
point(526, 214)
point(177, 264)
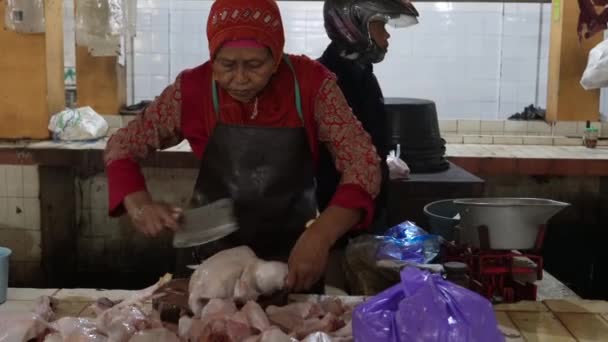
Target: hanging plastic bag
point(24, 16)
point(596, 74)
point(397, 168)
point(425, 307)
point(102, 25)
point(78, 124)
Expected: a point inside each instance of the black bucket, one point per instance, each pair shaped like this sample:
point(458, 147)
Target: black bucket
point(414, 126)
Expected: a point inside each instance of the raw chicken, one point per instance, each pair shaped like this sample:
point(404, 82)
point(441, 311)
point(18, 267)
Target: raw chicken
point(258, 278)
point(123, 320)
point(24, 326)
point(318, 337)
point(216, 277)
point(233, 328)
point(220, 319)
point(256, 316)
point(344, 332)
point(291, 316)
point(74, 329)
point(54, 337)
point(234, 274)
point(328, 324)
point(273, 334)
point(154, 335)
point(333, 305)
point(218, 308)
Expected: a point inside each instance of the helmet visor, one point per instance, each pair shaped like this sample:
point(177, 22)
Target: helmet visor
point(396, 21)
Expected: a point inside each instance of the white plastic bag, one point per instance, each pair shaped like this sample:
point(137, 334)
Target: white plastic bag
point(596, 73)
point(397, 168)
point(78, 124)
point(101, 25)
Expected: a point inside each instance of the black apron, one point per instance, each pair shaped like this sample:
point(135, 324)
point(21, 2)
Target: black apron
point(268, 172)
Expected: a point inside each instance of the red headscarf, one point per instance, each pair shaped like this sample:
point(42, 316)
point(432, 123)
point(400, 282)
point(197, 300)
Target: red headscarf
point(259, 20)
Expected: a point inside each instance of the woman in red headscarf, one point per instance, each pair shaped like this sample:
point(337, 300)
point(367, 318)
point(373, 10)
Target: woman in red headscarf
point(255, 117)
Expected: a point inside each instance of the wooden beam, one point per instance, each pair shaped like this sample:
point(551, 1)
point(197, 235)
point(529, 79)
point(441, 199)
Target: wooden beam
point(31, 87)
point(53, 10)
point(101, 82)
point(566, 98)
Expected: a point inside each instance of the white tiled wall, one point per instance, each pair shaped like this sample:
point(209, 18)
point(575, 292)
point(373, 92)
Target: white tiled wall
point(475, 60)
point(20, 211)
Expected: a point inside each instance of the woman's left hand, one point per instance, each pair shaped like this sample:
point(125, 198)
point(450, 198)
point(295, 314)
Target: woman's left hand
point(307, 261)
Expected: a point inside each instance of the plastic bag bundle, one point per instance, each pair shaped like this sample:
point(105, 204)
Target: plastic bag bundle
point(596, 73)
point(410, 243)
point(372, 263)
point(397, 168)
point(102, 24)
point(425, 307)
point(78, 124)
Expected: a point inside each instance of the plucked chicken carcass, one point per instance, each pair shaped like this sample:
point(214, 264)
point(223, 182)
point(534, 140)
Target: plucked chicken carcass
point(234, 274)
point(75, 329)
point(114, 323)
point(155, 335)
point(121, 321)
point(221, 320)
point(25, 326)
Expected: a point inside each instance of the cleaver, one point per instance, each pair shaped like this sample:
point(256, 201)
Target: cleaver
point(206, 224)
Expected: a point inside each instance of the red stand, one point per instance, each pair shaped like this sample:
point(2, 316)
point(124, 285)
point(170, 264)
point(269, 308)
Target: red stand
point(492, 272)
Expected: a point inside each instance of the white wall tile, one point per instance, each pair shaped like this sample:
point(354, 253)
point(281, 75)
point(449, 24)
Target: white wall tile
point(31, 211)
point(14, 180)
point(15, 216)
point(31, 182)
point(455, 42)
point(3, 211)
point(151, 64)
point(153, 20)
point(3, 181)
point(516, 127)
point(158, 84)
point(143, 86)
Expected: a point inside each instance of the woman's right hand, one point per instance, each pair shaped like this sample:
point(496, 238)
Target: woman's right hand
point(150, 217)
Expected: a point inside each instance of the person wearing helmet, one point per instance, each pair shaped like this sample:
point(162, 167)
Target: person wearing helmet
point(358, 40)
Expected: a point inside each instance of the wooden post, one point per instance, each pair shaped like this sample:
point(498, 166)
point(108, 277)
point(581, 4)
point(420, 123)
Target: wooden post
point(566, 98)
point(31, 81)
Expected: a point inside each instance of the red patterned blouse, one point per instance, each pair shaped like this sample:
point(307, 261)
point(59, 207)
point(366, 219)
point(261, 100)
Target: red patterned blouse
point(184, 110)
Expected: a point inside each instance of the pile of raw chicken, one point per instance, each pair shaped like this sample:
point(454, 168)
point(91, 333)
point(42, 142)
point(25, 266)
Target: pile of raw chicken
point(222, 299)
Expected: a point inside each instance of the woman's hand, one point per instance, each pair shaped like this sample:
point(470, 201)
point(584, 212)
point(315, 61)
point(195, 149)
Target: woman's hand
point(307, 261)
point(308, 257)
point(150, 217)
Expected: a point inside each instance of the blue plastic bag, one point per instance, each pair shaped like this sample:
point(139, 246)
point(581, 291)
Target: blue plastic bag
point(408, 242)
point(425, 307)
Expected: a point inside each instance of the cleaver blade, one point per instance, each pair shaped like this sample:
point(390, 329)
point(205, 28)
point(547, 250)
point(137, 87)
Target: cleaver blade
point(206, 224)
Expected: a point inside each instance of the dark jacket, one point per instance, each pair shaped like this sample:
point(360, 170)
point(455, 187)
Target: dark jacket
point(363, 93)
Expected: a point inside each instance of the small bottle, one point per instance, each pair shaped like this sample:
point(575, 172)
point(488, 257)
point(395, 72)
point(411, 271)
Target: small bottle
point(457, 273)
point(591, 136)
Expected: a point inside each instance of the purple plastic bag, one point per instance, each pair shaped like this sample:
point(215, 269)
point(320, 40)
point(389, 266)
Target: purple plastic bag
point(425, 307)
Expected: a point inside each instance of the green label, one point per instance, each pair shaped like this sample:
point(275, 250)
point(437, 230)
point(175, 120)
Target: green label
point(69, 76)
point(557, 5)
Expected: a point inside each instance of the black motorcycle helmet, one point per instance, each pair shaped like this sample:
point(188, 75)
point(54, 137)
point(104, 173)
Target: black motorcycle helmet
point(347, 24)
